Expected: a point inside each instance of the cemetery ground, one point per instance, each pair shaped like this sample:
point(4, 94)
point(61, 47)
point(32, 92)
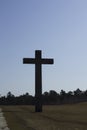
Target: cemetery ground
point(59, 117)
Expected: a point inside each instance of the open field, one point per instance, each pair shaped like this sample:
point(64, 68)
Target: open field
point(62, 117)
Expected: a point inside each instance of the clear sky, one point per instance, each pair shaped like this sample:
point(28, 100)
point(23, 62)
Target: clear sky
point(58, 28)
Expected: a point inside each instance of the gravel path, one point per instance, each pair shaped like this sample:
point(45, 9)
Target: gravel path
point(3, 124)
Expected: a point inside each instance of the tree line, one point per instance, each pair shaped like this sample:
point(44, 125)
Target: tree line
point(48, 98)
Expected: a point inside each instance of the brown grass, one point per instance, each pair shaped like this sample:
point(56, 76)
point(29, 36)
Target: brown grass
point(63, 117)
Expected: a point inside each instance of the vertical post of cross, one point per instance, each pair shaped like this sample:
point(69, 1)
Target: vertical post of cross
point(38, 82)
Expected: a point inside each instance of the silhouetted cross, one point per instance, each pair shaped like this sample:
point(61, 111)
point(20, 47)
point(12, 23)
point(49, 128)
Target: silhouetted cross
point(38, 61)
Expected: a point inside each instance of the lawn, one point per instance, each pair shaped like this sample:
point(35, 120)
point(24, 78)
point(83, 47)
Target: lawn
point(61, 117)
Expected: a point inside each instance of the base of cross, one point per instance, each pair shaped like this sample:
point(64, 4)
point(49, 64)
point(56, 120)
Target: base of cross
point(38, 108)
point(38, 104)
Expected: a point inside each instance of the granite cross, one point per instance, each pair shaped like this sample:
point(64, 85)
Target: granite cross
point(38, 61)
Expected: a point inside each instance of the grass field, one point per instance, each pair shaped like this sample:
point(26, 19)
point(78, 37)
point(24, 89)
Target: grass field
point(62, 117)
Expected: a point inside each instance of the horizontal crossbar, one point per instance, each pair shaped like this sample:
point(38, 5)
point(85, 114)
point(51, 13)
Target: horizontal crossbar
point(47, 61)
point(29, 61)
point(37, 61)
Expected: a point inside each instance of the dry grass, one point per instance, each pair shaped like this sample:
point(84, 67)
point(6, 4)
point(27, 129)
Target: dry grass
point(63, 117)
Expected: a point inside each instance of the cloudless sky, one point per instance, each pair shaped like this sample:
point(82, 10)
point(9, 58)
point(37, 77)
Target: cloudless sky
point(58, 28)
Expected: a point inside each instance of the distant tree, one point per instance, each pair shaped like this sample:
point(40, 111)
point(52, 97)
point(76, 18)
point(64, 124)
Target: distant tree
point(45, 98)
point(62, 93)
point(77, 92)
point(10, 98)
point(27, 94)
point(46, 94)
point(53, 96)
point(85, 93)
point(9, 95)
point(53, 93)
point(70, 96)
point(63, 96)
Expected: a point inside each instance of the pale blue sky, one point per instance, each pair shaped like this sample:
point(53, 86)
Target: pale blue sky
point(58, 28)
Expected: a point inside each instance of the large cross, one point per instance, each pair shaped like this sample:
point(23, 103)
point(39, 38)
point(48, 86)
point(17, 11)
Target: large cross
point(38, 61)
